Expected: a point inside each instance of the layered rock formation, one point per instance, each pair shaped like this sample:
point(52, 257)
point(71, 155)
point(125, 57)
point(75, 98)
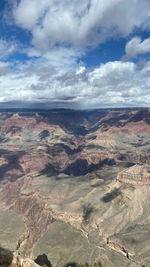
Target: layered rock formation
point(137, 175)
point(80, 175)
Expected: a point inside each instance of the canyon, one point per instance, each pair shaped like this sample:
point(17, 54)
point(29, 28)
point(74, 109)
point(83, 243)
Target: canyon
point(75, 185)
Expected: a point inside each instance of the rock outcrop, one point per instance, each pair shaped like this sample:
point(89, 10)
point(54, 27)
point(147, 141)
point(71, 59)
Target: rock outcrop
point(13, 259)
point(137, 175)
point(115, 246)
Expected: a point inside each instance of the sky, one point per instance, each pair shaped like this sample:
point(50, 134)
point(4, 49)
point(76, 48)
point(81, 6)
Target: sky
point(75, 54)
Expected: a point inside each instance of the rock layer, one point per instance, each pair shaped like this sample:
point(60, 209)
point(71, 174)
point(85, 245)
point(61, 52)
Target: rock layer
point(137, 175)
point(88, 170)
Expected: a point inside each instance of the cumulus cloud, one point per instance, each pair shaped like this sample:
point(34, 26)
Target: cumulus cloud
point(61, 33)
point(76, 23)
point(109, 85)
point(136, 47)
point(60, 57)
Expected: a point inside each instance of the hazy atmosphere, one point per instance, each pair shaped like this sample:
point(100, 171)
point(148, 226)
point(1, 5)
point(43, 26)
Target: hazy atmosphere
point(75, 54)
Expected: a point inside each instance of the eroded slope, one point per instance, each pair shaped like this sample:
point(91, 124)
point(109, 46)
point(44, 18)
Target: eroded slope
point(74, 177)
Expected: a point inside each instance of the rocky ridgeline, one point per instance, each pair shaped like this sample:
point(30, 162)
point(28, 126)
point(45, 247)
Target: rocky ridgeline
point(137, 175)
point(9, 259)
point(115, 246)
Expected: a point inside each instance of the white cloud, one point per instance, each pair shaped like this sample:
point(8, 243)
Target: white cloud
point(5, 68)
point(28, 12)
point(4, 65)
point(109, 85)
point(136, 47)
point(60, 57)
point(6, 48)
point(83, 23)
point(61, 33)
point(148, 83)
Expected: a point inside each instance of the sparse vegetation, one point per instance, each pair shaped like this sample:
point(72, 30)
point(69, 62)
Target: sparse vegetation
point(43, 261)
point(97, 264)
point(88, 209)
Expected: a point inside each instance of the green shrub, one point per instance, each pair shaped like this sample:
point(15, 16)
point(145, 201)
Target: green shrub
point(97, 264)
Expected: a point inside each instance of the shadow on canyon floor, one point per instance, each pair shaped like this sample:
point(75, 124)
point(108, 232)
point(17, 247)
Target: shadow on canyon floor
point(13, 163)
point(111, 195)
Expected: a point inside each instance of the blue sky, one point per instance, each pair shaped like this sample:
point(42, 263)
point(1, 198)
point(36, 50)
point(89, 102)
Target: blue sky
point(75, 54)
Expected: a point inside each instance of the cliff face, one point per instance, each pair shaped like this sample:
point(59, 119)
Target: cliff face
point(88, 170)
